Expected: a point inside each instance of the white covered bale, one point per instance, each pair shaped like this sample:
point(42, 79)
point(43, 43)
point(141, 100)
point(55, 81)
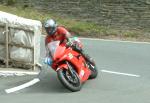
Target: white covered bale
point(2, 47)
point(2, 52)
point(19, 21)
point(25, 39)
point(23, 32)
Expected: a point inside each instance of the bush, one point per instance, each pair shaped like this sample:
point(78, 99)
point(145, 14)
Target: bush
point(10, 2)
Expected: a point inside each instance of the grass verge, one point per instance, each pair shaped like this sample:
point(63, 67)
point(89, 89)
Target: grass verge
point(79, 28)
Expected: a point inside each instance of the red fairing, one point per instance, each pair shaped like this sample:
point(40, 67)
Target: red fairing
point(59, 52)
point(67, 54)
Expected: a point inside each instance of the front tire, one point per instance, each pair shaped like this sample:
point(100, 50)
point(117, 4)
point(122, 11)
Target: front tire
point(72, 83)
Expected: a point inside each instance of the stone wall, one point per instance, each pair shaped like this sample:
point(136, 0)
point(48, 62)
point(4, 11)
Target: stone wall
point(124, 14)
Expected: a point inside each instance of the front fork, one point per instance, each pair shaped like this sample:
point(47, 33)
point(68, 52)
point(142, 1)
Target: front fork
point(70, 69)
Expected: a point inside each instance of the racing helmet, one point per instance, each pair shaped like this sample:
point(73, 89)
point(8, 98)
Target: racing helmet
point(50, 26)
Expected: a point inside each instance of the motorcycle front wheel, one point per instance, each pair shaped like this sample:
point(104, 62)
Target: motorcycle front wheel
point(71, 82)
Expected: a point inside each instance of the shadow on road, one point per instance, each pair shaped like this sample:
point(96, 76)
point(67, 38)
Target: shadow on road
point(49, 83)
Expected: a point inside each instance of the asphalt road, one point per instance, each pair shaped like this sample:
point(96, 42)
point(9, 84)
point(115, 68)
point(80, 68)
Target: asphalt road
point(119, 59)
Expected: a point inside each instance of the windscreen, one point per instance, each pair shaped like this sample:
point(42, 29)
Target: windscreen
point(52, 46)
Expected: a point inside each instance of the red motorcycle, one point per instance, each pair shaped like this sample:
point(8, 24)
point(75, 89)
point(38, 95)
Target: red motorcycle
point(71, 67)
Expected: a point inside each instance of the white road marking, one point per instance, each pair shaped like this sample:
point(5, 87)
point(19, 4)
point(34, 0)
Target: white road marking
point(112, 40)
point(14, 89)
point(119, 73)
point(125, 41)
point(16, 73)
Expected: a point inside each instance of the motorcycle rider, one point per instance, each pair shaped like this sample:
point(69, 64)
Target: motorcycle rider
point(55, 32)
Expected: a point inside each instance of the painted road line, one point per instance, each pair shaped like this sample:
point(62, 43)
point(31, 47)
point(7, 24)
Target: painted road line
point(17, 73)
point(123, 41)
point(119, 73)
point(30, 83)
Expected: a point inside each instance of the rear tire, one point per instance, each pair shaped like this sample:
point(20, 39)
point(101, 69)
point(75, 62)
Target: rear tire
point(71, 83)
point(94, 71)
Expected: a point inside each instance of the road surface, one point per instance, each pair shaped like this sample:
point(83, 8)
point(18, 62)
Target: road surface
point(124, 77)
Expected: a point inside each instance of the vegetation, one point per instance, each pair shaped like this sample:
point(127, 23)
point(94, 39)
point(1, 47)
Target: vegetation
point(10, 2)
point(78, 27)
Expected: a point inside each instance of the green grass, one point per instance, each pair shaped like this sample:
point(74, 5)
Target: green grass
point(79, 28)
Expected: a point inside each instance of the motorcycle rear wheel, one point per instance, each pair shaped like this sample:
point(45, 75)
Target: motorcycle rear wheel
point(72, 83)
point(94, 71)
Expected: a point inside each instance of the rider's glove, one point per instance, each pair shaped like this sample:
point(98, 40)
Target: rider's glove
point(76, 47)
point(69, 44)
point(48, 61)
point(71, 41)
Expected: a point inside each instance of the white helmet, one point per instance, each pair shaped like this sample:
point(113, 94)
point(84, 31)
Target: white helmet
point(50, 26)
